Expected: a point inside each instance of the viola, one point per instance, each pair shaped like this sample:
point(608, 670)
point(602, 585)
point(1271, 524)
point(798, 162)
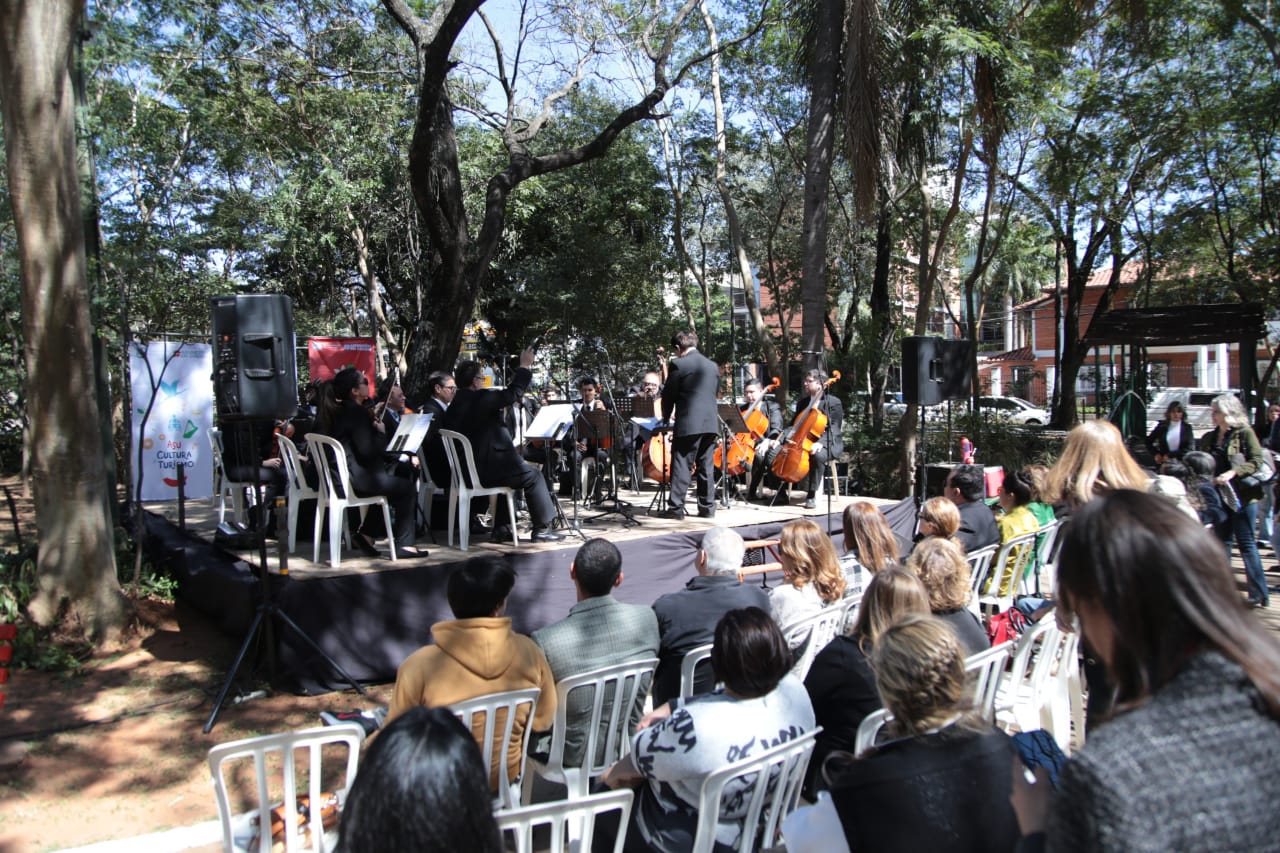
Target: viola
point(284, 428)
point(791, 465)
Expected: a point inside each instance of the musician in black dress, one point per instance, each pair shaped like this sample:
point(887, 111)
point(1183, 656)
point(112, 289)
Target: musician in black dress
point(373, 470)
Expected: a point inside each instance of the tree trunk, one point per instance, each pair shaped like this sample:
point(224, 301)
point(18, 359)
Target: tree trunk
point(819, 143)
point(76, 562)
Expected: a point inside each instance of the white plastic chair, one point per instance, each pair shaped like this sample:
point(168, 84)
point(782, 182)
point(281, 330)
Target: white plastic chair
point(1047, 556)
point(571, 823)
point(497, 734)
point(299, 491)
point(758, 791)
point(869, 729)
point(610, 694)
point(814, 632)
point(979, 567)
point(1008, 571)
point(273, 761)
point(1036, 692)
point(426, 487)
point(466, 485)
point(851, 604)
point(984, 668)
point(224, 486)
point(336, 496)
point(689, 667)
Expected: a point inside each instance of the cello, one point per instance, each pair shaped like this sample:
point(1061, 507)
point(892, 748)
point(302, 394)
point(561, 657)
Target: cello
point(742, 445)
point(655, 455)
point(791, 465)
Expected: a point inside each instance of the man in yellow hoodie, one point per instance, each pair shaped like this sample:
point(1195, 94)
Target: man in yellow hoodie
point(476, 654)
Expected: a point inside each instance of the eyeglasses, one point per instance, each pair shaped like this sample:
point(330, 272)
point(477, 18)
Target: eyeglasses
point(451, 388)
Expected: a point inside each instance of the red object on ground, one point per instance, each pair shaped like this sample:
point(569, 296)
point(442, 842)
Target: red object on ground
point(7, 635)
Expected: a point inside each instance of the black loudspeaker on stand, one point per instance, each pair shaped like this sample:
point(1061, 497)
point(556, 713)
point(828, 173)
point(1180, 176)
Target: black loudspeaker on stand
point(255, 382)
point(935, 370)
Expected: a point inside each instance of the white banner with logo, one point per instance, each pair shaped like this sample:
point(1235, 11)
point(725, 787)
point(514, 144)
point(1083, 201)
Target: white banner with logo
point(175, 380)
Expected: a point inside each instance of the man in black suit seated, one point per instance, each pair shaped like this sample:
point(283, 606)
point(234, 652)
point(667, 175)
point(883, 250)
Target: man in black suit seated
point(477, 413)
point(965, 488)
point(754, 392)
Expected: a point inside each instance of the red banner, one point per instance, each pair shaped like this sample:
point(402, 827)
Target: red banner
point(326, 356)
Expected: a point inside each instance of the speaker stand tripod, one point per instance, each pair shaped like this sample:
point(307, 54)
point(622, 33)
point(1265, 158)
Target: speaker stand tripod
point(261, 631)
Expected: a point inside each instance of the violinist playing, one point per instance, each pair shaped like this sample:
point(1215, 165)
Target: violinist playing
point(831, 444)
point(582, 437)
point(754, 392)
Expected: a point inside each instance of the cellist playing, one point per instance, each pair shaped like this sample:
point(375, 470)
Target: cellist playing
point(754, 392)
point(831, 445)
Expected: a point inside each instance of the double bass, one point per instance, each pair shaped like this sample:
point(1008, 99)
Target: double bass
point(742, 445)
point(655, 455)
point(791, 465)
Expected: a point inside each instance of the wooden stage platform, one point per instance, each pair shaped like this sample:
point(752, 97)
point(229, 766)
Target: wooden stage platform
point(368, 614)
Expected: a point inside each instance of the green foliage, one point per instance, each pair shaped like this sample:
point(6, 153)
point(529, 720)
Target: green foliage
point(34, 647)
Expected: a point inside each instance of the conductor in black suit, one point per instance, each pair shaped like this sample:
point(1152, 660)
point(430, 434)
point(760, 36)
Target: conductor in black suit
point(689, 396)
point(477, 413)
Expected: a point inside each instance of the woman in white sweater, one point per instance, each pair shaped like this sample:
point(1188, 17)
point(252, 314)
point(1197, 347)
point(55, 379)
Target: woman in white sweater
point(813, 579)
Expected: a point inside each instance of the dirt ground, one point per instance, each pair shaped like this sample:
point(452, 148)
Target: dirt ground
point(118, 750)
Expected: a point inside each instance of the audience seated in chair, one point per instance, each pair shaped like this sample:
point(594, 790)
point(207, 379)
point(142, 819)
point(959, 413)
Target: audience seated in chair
point(687, 618)
point(1187, 759)
point(840, 684)
point(943, 785)
point(599, 631)
point(683, 741)
point(965, 487)
point(811, 570)
point(477, 654)
point(421, 787)
point(869, 545)
point(941, 566)
point(939, 518)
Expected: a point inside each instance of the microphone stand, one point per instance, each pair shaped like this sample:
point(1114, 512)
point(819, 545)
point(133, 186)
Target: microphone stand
point(619, 507)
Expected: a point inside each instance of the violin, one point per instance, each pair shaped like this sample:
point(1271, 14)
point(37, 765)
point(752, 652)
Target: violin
point(791, 465)
point(284, 428)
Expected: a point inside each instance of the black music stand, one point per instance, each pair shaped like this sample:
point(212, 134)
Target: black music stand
point(625, 408)
point(731, 423)
point(549, 426)
point(604, 423)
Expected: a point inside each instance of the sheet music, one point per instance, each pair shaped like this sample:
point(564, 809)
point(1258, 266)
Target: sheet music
point(551, 421)
point(647, 423)
point(410, 433)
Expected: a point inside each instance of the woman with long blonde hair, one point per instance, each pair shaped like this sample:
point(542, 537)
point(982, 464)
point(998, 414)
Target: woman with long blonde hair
point(840, 683)
point(1094, 462)
point(812, 572)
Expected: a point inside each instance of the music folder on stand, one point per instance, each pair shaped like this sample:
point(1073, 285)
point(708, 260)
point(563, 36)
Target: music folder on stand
point(550, 426)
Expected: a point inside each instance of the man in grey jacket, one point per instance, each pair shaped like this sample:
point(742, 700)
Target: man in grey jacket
point(598, 632)
point(687, 618)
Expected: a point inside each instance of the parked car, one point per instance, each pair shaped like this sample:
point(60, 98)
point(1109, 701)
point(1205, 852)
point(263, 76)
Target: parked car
point(1015, 410)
